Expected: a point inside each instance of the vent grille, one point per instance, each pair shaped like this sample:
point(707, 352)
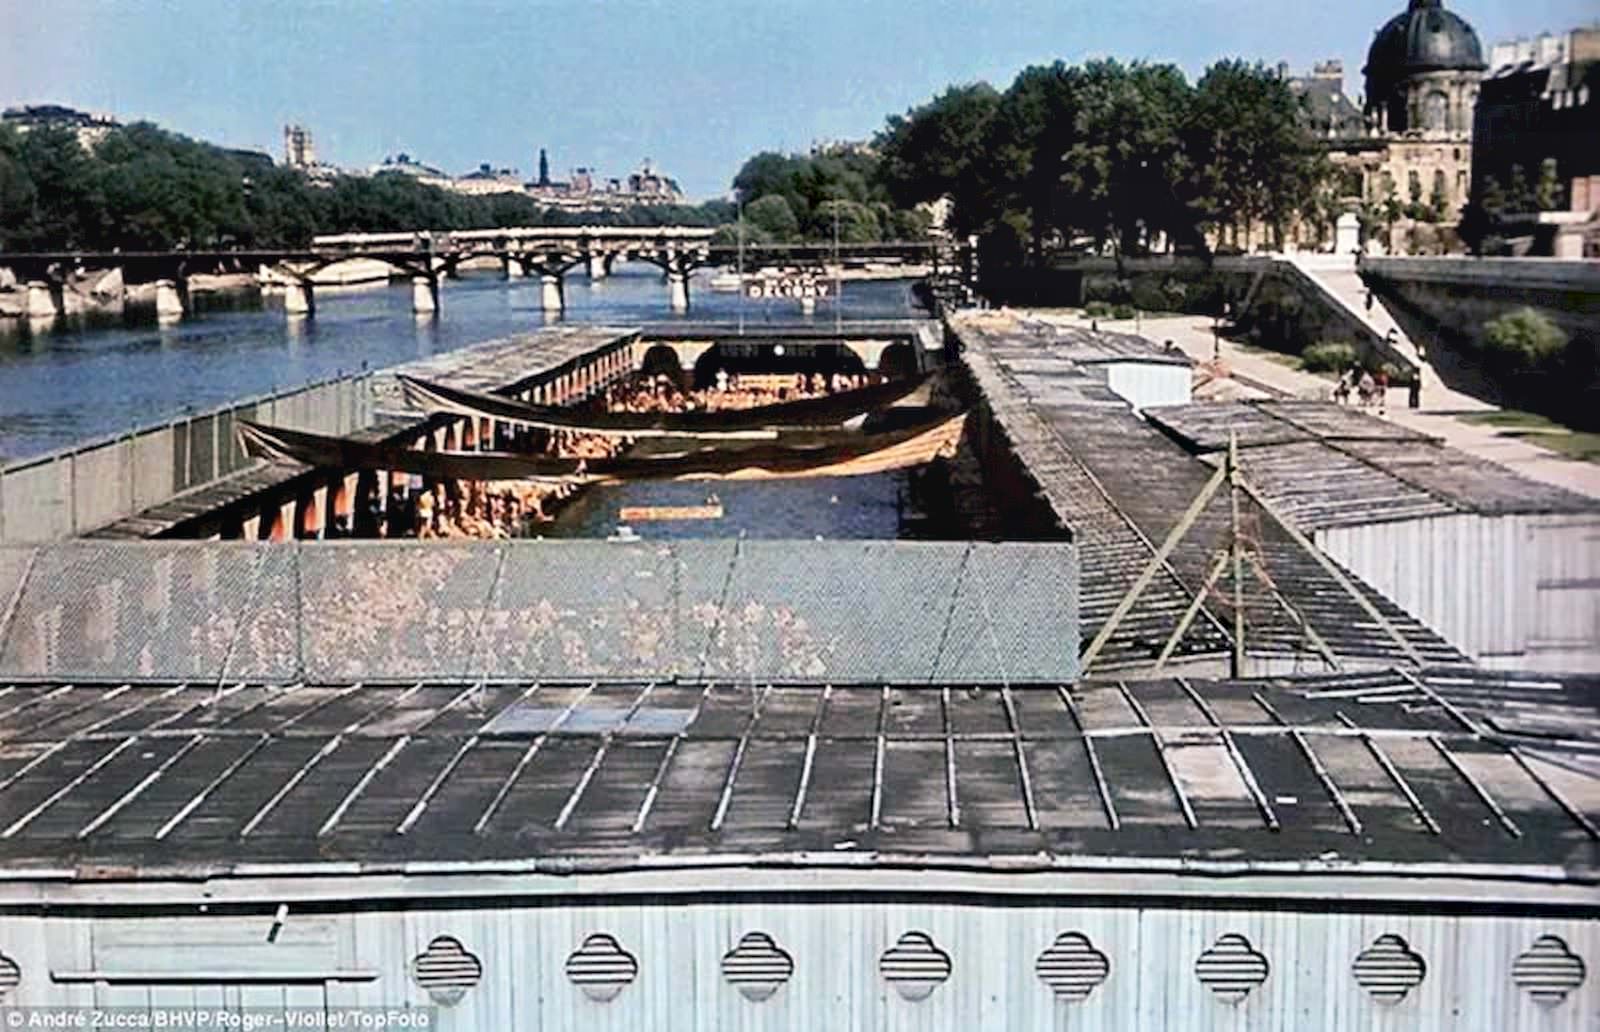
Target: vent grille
point(1548, 971)
point(601, 967)
point(1072, 967)
point(915, 966)
point(1389, 969)
point(1231, 968)
point(446, 970)
point(757, 967)
point(10, 976)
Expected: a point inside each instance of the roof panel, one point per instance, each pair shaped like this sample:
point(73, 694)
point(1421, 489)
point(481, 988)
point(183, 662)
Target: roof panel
point(1328, 755)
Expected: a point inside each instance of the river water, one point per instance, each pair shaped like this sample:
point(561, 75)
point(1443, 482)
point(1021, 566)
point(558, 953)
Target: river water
point(91, 379)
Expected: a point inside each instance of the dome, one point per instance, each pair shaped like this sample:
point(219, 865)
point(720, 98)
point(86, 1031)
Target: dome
point(1426, 38)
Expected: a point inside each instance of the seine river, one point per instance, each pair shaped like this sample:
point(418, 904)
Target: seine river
point(85, 381)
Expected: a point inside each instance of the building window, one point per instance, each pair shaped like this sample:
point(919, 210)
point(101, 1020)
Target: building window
point(1436, 112)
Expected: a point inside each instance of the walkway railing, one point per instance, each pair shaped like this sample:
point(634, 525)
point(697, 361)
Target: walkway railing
point(86, 486)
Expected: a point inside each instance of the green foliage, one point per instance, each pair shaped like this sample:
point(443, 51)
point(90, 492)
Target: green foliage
point(773, 216)
point(938, 150)
point(1109, 154)
point(1098, 309)
point(1547, 192)
point(842, 180)
point(1123, 312)
point(1256, 162)
point(145, 188)
point(1328, 356)
point(1519, 195)
point(1525, 338)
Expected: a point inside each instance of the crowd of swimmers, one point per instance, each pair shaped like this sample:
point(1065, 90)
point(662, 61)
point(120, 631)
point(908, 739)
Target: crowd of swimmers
point(463, 509)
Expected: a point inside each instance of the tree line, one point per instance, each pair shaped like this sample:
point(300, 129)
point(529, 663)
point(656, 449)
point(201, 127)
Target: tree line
point(143, 188)
point(1107, 155)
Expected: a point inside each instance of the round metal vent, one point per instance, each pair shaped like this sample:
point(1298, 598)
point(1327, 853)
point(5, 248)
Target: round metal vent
point(601, 967)
point(1072, 967)
point(446, 970)
point(1548, 971)
point(1231, 968)
point(915, 966)
point(1388, 969)
point(757, 967)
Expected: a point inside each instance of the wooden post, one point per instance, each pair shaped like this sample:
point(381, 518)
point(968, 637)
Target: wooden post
point(1237, 666)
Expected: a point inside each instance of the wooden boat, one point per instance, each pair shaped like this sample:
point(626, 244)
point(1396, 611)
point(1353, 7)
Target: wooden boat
point(831, 454)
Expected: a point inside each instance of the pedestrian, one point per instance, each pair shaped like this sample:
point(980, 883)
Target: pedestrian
point(1366, 387)
point(1415, 399)
point(1381, 383)
point(1341, 391)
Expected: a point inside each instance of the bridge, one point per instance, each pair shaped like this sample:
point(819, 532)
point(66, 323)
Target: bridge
point(429, 256)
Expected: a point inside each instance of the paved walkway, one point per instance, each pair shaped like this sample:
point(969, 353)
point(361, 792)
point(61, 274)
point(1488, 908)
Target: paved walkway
point(1438, 416)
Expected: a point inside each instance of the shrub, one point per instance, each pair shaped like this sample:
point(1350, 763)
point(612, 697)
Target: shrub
point(1123, 311)
point(1524, 338)
point(1328, 356)
point(1097, 309)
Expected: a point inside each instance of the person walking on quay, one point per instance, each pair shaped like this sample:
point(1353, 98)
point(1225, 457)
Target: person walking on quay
point(1341, 390)
point(1415, 393)
point(1381, 384)
point(1365, 387)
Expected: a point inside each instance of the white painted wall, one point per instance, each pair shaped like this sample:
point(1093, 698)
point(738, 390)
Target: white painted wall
point(835, 946)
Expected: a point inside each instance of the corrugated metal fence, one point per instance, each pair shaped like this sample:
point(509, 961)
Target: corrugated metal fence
point(916, 965)
point(82, 488)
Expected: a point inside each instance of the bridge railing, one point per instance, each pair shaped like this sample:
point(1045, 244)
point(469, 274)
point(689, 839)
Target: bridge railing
point(90, 485)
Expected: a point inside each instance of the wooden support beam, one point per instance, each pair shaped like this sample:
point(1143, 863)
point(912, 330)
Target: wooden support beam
point(1156, 563)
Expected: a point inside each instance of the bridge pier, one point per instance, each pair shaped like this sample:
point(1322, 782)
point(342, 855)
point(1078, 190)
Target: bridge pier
point(597, 266)
point(550, 292)
point(170, 300)
point(678, 289)
point(513, 268)
point(40, 302)
point(299, 299)
point(425, 294)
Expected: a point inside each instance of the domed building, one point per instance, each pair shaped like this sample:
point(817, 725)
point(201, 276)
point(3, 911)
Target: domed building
point(1423, 71)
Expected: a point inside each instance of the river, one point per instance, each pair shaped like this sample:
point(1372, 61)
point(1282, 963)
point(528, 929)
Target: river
point(89, 379)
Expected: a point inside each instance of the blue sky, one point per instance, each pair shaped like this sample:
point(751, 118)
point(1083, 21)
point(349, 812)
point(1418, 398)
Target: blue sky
point(695, 85)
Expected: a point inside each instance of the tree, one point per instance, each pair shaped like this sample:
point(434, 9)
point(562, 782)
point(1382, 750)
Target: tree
point(773, 216)
point(936, 150)
point(856, 223)
point(1254, 159)
point(1519, 195)
point(1547, 193)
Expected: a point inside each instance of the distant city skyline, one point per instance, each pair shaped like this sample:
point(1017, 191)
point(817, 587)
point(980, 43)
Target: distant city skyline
point(696, 87)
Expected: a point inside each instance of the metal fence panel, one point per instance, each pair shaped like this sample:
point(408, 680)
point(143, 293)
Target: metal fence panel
point(202, 450)
point(99, 485)
point(100, 611)
point(725, 610)
point(1013, 616)
point(604, 609)
point(386, 611)
point(37, 502)
point(154, 476)
point(851, 611)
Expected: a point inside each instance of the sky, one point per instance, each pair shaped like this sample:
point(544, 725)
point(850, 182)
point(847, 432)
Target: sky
point(695, 85)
